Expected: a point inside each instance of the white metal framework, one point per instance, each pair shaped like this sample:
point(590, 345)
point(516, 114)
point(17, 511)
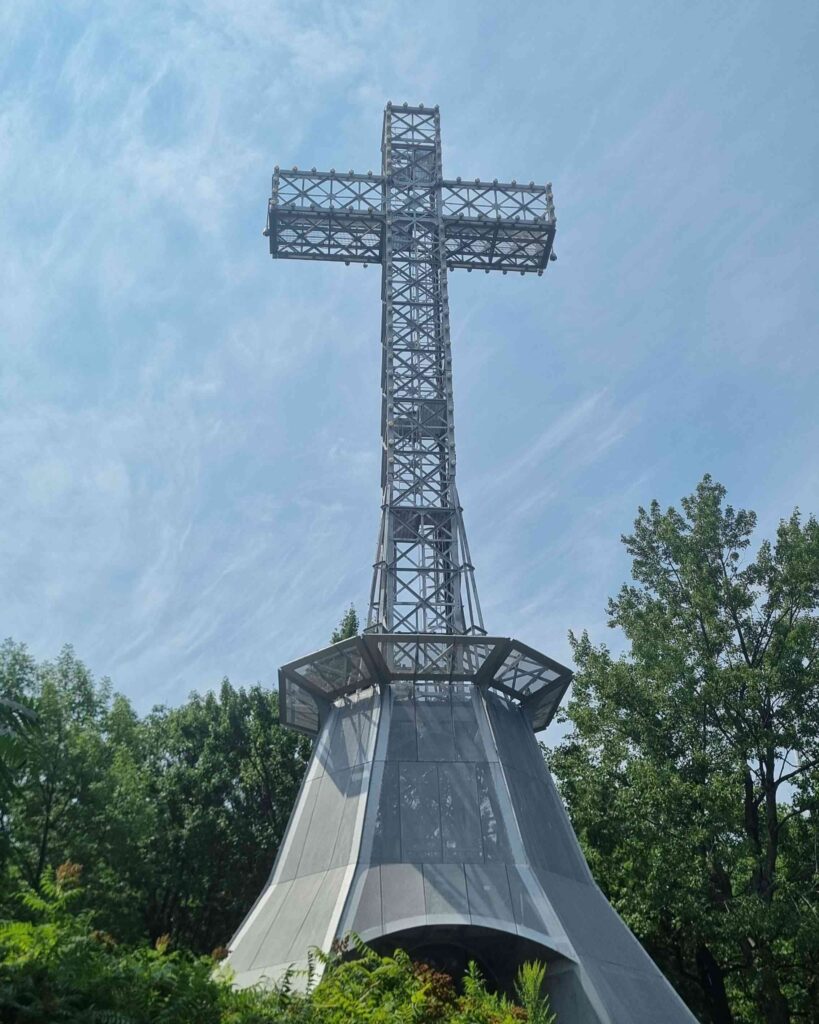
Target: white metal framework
point(416, 225)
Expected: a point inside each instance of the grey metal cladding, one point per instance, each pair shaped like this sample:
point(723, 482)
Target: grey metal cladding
point(495, 814)
point(528, 915)
point(363, 908)
point(632, 997)
point(445, 892)
point(468, 739)
point(402, 897)
point(403, 734)
point(344, 849)
point(277, 944)
point(287, 864)
point(243, 956)
point(420, 812)
point(490, 899)
point(319, 904)
point(461, 838)
point(427, 816)
point(433, 721)
point(386, 812)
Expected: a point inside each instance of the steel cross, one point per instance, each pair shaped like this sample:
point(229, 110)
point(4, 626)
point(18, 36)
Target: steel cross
point(416, 225)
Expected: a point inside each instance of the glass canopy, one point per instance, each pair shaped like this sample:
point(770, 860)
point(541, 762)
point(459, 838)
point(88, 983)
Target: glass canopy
point(310, 685)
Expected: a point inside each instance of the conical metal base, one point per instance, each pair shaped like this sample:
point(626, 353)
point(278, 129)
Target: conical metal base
point(427, 820)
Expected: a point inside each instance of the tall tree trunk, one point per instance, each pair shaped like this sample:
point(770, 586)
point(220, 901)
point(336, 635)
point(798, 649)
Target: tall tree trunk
point(774, 1004)
point(712, 980)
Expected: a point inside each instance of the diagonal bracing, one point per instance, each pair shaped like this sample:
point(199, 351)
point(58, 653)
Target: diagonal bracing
point(417, 226)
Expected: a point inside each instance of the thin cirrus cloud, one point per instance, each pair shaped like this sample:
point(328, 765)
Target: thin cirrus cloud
point(189, 435)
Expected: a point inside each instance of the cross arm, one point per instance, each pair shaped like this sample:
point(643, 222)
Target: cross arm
point(492, 226)
point(324, 215)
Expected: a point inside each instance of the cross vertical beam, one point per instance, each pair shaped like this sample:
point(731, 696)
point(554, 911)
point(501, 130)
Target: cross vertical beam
point(423, 581)
point(416, 225)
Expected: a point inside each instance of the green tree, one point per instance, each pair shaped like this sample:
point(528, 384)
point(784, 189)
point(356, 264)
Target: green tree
point(16, 723)
point(347, 627)
point(223, 777)
point(690, 772)
point(68, 802)
point(176, 818)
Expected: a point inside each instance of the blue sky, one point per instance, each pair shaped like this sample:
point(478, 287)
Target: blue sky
point(189, 431)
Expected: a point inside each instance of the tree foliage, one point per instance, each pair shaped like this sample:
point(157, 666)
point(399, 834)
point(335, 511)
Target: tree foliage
point(691, 773)
point(176, 817)
point(347, 627)
point(56, 968)
point(17, 721)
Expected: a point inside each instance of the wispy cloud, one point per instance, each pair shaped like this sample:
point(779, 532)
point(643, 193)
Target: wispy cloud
point(189, 436)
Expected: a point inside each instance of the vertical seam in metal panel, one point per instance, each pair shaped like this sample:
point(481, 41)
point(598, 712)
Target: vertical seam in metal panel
point(518, 834)
point(281, 854)
point(340, 908)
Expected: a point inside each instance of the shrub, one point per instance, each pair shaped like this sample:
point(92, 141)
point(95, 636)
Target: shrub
point(56, 968)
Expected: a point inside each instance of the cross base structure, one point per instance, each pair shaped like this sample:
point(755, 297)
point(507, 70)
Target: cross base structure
point(427, 819)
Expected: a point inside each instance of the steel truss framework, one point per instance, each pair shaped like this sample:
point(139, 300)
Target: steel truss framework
point(416, 225)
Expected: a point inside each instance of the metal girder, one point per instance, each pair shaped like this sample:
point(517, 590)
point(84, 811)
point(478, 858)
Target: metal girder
point(498, 226)
point(486, 225)
point(416, 224)
point(326, 216)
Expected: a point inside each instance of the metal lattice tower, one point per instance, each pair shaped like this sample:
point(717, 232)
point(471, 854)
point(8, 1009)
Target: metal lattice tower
point(422, 558)
point(416, 225)
point(427, 818)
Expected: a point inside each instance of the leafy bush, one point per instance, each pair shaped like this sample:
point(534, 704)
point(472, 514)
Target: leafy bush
point(56, 968)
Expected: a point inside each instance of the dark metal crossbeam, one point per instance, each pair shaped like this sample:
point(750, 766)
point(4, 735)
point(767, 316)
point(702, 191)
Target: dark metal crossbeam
point(417, 225)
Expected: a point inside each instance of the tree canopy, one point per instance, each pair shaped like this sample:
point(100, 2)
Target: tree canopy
point(690, 771)
point(176, 817)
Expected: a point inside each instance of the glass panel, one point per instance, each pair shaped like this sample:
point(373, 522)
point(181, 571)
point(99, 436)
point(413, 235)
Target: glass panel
point(519, 672)
point(526, 674)
point(453, 657)
point(336, 670)
point(299, 708)
point(541, 707)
